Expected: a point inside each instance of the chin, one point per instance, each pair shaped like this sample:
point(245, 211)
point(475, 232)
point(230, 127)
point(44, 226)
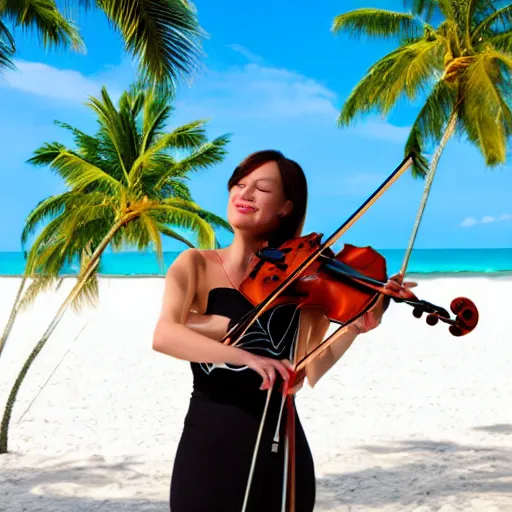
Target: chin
point(247, 223)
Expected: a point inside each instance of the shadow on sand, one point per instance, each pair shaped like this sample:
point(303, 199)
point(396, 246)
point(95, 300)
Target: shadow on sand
point(415, 473)
point(425, 473)
point(52, 486)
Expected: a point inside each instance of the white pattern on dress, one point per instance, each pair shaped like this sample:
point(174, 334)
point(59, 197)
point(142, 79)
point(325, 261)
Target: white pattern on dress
point(259, 337)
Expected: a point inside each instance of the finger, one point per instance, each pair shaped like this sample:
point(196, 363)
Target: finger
point(283, 370)
point(397, 278)
point(287, 363)
point(271, 374)
point(265, 380)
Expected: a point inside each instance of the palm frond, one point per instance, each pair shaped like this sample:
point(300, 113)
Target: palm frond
point(39, 257)
point(423, 8)
point(404, 71)
point(502, 16)
point(7, 48)
point(184, 215)
point(45, 18)
point(502, 41)
point(81, 139)
point(48, 207)
point(208, 154)
point(47, 153)
point(154, 235)
point(215, 220)
point(176, 188)
point(89, 294)
point(188, 136)
point(428, 128)
point(163, 34)
point(167, 231)
point(114, 127)
point(156, 112)
point(484, 114)
point(73, 169)
point(38, 285)
point(377, 22)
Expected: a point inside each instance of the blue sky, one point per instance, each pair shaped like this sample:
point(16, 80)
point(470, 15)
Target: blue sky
point(274, 76)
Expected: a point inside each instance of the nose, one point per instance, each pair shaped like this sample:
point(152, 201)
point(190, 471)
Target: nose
point(247, 193)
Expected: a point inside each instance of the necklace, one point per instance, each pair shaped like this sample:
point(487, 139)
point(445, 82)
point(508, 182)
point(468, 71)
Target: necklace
point(222, 265)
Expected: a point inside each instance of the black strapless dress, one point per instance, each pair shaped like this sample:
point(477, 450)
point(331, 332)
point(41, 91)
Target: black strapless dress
point(215, 451)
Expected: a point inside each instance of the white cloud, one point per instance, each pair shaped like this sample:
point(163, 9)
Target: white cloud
point(488, 219)
point(43, 80)
point(253, 91)
point(256, 91)
point(253, 57)
point(376, 128)
point(468, 222)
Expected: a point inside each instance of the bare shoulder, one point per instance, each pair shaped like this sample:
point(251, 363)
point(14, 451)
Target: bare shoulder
point(189, 262)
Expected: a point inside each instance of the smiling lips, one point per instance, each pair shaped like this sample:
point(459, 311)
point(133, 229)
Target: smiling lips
point(245, 208)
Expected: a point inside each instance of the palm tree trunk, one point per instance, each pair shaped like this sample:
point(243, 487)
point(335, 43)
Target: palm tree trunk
point(450, 129)
point(82, 279)
point(12, 316)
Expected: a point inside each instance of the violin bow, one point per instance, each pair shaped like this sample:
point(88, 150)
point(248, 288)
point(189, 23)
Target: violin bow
point(290, 432)
point(234, 335)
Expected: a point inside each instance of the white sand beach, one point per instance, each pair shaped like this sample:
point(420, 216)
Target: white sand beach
point(411, 419)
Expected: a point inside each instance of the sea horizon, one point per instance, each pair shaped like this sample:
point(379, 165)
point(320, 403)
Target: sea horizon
point(433, 262)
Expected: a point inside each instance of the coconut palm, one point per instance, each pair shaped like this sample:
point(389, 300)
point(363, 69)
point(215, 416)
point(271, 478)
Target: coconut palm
point(164, 35)
point(126, 186)
point(461, 67)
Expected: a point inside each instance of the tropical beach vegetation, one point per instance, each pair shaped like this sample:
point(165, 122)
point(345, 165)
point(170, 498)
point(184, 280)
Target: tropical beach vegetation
point(126, 186)
point(460, 67)
point(165, 38)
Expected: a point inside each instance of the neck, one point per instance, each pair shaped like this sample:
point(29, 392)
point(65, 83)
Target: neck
point(241, 250)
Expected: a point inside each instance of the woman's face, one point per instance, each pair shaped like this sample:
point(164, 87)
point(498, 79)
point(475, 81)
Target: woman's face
point(257, 201)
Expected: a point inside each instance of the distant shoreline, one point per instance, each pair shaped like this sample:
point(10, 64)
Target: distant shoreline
point(416, 275)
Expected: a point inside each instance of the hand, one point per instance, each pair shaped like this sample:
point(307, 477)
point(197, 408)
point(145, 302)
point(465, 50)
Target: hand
point(297, 383)
point(267, 367)
point(395, 284)
point(371, 318)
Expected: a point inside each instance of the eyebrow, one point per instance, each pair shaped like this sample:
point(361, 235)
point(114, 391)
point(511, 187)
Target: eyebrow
point(272, 180)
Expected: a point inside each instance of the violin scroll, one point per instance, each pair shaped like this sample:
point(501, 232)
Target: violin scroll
point(466, 316)
point(465, 311)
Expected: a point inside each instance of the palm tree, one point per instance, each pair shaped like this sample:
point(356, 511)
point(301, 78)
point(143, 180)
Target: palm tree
point(463, 66)
point(126, 186)
point(164, 35)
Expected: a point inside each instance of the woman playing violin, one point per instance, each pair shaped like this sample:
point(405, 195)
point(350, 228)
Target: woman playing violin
point(267, 203)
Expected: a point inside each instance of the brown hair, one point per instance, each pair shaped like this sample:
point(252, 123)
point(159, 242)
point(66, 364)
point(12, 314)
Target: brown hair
point(294, 186)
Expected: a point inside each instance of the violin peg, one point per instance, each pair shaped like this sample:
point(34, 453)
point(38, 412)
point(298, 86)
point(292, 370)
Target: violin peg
point(417, 312)
point(432, 319)
point(455, 330)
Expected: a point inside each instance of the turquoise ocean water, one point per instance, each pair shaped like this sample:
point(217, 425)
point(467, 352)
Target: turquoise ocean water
point(423, 261)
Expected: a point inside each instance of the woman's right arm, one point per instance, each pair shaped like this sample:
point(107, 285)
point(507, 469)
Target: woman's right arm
point(172, 337)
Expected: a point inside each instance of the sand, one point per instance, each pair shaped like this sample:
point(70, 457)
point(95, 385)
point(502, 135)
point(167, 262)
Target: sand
point(411, 419)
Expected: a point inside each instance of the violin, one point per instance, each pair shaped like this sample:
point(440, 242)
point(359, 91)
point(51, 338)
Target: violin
point(344, 286)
